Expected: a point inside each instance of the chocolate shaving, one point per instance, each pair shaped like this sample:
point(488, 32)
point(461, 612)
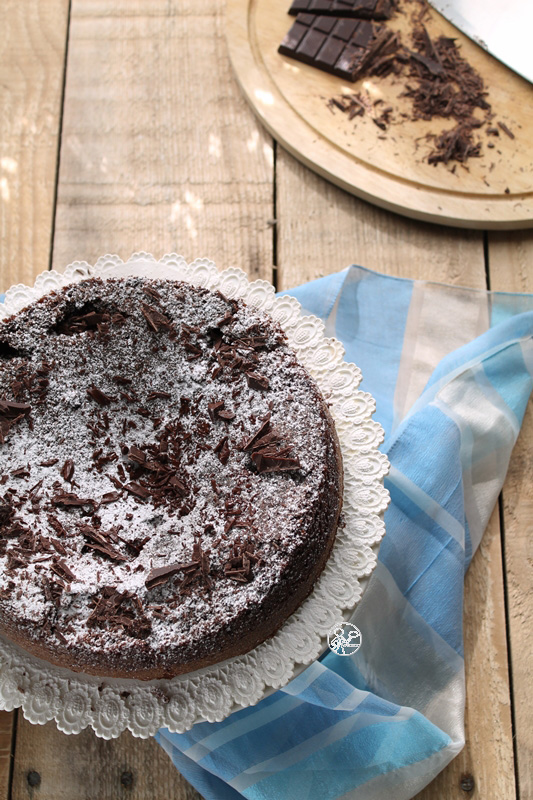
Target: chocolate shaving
point(62, 569)
point(178, 485)
point(256, 381)
point(98, 540)
point(67, 470)
point(249, 444)
point(226, 415)
point(58, 546)
point(137, 455)
point(153, 293)
point(21, 472)
point(10, 413)
point(506, 130)
point(114, 610)
point(138, 490)
point(106, 550)
point(56, 525)
point(227, 318)
point(99, 397)
point(161, 575)
point(455, 145)
point(71, 499)
point(155, 319)
point(222, 450)
point(214, 408)
point(110, 497)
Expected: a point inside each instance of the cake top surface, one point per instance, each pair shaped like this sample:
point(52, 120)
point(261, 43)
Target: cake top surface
point(161, 452)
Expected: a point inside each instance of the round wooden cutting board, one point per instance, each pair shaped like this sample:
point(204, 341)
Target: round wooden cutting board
point(388, 168)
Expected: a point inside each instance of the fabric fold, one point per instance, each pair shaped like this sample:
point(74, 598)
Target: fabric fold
point(451, 371)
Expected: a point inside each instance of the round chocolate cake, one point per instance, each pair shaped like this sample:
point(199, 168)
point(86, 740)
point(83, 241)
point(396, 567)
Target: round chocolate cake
point(170, 478)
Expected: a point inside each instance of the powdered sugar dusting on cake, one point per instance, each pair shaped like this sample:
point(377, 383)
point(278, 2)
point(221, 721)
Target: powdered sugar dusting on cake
point(163, 456)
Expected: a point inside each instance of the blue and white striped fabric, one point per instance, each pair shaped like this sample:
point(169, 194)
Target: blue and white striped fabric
point(451, 370)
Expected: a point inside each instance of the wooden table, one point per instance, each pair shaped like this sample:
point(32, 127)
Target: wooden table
point(122, 128)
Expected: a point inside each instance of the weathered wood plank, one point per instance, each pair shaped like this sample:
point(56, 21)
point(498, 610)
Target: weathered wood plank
point(511, 270)
point(159, 150)
point(83, 767)
point(321, 230)
point(161, 153)
point(7, 722)
point(32, 55)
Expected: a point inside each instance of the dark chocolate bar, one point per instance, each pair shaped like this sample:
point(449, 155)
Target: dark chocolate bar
point(337, 45)
point(359, 9)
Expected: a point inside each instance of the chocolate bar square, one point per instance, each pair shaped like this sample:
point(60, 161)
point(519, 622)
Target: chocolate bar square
point(359, 9)
point(337, 45)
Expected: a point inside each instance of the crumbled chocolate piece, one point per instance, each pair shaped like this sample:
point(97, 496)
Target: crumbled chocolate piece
point(256, 381)
point(137, 490)
point(506, 130)
point(67, 470)
point(155, 319)
point(214, 408)
point(161, 575)
point(62, 498)
point(99, 397)
point(10, 413)
point(62, 569)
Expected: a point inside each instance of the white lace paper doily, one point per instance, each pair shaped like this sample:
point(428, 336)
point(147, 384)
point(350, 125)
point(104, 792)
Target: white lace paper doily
point(110, 705)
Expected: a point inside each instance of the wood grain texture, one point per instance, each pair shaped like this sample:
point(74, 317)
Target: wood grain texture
point(32, 55)
point(511, 270)
point(322, 230)
point(159, 149)
point(7, 722)
point(84, 767)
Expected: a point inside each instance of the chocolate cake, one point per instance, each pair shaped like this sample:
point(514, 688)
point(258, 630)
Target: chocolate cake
point(170, 478)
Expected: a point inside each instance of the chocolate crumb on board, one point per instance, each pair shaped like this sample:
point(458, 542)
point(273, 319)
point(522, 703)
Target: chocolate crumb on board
point(438, 80)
